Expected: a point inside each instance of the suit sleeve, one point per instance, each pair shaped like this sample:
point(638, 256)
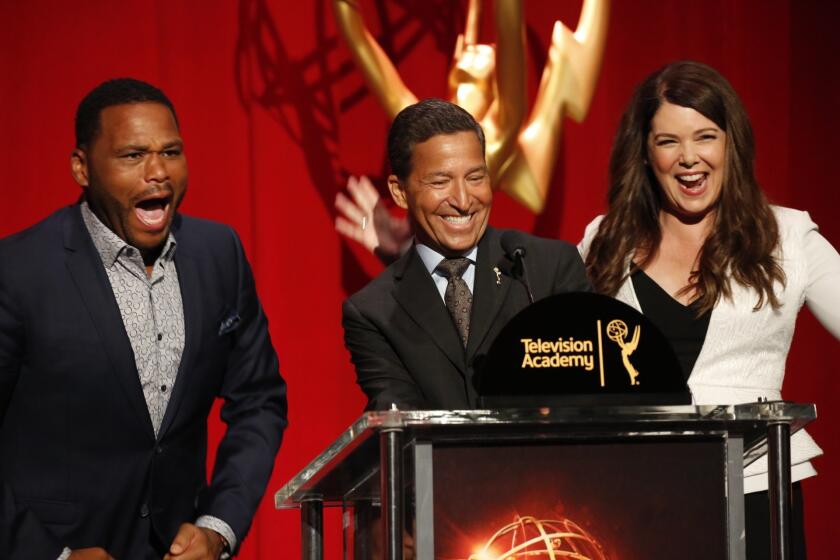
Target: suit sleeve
point(379, 371)
point(22, 535)
point(570, 275)
point(254, 410)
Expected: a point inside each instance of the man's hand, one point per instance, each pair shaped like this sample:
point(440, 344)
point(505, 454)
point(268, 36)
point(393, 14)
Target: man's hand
point(195, 543)
point(90, 554)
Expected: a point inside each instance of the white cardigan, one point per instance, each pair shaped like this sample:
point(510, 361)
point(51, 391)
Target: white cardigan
point(743, 355)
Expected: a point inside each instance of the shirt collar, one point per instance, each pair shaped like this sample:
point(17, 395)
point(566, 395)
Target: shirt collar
point(431, 258)
point(109, 245)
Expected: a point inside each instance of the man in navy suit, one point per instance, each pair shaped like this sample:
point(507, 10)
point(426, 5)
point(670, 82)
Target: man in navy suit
point(120, 323)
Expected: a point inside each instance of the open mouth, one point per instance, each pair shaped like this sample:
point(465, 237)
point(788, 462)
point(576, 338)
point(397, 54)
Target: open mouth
point(693, 183)
point(152, 211)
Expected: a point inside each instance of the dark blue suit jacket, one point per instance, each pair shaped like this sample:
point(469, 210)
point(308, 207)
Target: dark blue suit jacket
point(80, 464)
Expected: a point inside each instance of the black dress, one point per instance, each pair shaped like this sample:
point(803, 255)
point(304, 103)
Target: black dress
point(686, 331)
point(680, 324)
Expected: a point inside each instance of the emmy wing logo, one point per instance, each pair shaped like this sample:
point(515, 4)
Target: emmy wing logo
point(617, 332)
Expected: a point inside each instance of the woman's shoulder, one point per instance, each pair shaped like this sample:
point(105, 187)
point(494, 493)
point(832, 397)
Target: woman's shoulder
point(592, 227)
point(793, 223)
point(589, 234)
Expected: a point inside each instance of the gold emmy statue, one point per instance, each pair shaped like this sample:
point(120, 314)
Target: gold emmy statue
point(489, 82)
point(533, 539)
point(617, 332)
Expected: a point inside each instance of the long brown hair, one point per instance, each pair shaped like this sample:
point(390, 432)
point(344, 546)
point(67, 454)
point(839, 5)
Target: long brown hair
point(744, 236)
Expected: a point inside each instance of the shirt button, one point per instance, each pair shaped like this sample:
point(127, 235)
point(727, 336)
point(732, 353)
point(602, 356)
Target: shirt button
point(144, 511)
point(163, 388)
point(160, 336)
point(158, 449)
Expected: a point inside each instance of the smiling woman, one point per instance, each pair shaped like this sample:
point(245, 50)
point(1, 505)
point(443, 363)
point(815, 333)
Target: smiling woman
point(686, 154)
point(692, 234)
point(690, 239)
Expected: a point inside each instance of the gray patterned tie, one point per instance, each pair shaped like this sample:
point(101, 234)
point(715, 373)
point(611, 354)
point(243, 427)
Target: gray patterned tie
point(457, 296)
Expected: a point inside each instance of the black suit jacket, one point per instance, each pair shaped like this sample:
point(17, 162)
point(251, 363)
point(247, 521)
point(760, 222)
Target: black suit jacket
point(401, 337)
point(80, 464)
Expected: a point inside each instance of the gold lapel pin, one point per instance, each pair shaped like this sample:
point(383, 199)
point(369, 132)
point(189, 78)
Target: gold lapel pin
point(498, 275)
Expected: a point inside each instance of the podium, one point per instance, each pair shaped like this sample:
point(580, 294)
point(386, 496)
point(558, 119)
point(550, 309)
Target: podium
point(581, 482)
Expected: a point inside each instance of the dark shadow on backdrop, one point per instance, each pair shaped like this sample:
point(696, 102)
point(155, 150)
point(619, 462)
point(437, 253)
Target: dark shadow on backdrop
point(298, 93)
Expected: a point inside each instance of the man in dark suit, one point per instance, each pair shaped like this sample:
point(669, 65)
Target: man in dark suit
point(419, 331)
point(120, 323)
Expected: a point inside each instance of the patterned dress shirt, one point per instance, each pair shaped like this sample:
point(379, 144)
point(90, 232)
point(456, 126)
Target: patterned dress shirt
point(151, 309)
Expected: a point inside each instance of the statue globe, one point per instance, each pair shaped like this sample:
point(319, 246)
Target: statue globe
point(616, 330)
point(540, 539)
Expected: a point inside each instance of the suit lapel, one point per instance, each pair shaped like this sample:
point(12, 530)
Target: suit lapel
point(489, 289)
point(416, 292)
point(85, 267)
point(189, 281)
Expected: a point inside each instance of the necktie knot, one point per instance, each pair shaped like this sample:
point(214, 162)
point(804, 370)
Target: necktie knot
point(453, 268)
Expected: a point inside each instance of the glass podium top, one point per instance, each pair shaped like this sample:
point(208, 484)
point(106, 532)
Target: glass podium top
point(354, 456)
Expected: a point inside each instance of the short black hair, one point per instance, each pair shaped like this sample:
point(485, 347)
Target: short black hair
point(421, 121)
point(118, 91)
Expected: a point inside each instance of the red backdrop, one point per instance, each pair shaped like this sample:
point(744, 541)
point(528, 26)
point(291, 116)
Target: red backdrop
point(275, 115)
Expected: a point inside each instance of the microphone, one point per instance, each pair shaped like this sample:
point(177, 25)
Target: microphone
point(512, 246)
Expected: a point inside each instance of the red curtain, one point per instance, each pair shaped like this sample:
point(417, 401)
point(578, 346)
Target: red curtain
point(275, 115)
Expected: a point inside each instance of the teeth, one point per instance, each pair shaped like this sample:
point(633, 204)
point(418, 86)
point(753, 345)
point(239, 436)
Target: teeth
point(457, 219)
point(690, 178)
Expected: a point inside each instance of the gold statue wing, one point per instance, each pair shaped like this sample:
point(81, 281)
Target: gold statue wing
point(489, 82)
point(381, 75)
point(567, 84)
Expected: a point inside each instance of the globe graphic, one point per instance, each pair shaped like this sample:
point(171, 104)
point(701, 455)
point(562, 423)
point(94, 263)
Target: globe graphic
point(616, 330)
point(529, 538)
